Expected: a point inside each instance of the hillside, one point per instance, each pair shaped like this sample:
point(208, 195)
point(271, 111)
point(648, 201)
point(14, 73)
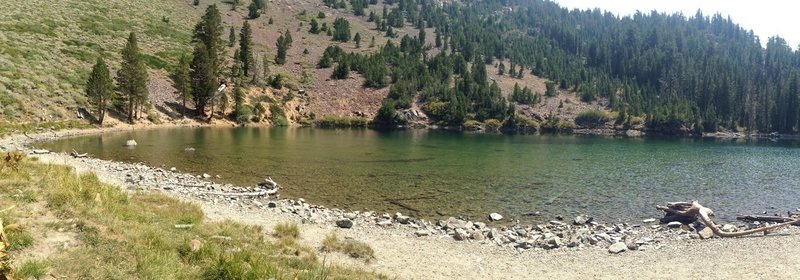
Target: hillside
point(678, 74)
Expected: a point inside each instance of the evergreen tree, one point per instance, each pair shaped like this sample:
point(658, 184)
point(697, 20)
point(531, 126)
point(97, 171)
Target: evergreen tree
point(208, 59)
point(238, 103)
point(234, 4)
point(231, 37)
point(501, 69)
point(357, 39)
point(314, 27)
point(100, 89)
point(256, 8)
point(372, 42)
point(341, 30)
point(181, 80)
point(342, 71)
point(132, 78)
point(246, 50)
point(283, 44)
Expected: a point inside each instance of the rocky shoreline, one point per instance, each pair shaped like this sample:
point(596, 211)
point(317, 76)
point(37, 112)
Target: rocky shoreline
point(577, 233)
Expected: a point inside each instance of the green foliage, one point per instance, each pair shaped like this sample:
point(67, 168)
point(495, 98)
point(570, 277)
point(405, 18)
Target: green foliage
point(256, 8)
point(341, 30)
point(286, 231)
point(592, 118)
point(246, 50)
point(342, 71)
point(340, 122)
point(283, 44)
point(31, 269)
point(182, 82)
point(354, 249)
point(492, 124)
point(387, 115)
point(314, 27)
point(208, 58)
point(132, 78)
point(551, 89)
point(555, 124)
point(277, 115)
point(100, 89)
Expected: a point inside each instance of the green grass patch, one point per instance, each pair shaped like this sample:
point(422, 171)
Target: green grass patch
point(286, 230)
point(33, 268)
point(132, 235)
point(340, 122)
point(353, 248)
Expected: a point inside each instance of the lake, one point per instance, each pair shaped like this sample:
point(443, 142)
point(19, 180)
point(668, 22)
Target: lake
point(436, 174)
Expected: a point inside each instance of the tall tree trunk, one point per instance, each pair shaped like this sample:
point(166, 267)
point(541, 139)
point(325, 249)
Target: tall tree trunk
point(130, 109)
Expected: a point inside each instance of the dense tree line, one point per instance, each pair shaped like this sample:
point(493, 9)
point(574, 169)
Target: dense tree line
point(699, 72)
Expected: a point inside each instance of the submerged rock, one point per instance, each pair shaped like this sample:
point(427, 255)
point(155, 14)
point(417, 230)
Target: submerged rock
point(675, 224)
point(582, 219)
point(131, 143)
point(495, 217)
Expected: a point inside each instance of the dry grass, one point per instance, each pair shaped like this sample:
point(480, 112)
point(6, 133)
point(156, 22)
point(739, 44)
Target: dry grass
point(353, 248)
point(47, 48)
point(119, 235)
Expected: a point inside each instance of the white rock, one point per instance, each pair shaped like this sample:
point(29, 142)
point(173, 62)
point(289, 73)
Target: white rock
point(131, 143)
point(617, 248)
point(495, 217)
point(647, 221)
point(206, 176)
point(674, 224)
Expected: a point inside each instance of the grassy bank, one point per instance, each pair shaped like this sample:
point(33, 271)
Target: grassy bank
point(73, 227)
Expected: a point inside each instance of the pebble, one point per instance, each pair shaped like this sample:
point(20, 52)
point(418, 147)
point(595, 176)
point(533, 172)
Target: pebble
point(647, 221)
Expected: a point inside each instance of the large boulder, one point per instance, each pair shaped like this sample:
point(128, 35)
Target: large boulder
point(344, 223)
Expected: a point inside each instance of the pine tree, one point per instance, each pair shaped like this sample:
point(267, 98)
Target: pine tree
point(231, 37)
point(501, 69)
point(238, 102)
point(100, 89)
point(341, 30)
point(182, 81)
point(245, 49)
point(314, 27)
point(234, 4)
point(209, 55)
point(132, 77)
point(265, 64)
point(283, 44)
point(342, 71)
point(357, 39)
point(255, 9)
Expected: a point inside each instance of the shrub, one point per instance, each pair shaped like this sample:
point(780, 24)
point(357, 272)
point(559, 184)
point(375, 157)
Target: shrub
point(492, 124)
point(353, 248)
point(286, 231)
point(341, 122)
point(592, 118)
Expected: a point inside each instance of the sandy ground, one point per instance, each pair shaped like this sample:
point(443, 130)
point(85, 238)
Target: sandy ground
point(402, 255)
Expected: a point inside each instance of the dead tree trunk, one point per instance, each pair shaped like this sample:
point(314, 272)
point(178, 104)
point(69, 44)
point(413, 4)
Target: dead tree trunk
point(694, 209)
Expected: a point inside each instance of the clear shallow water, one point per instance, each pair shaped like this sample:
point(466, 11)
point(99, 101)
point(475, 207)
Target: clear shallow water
point(434, 174)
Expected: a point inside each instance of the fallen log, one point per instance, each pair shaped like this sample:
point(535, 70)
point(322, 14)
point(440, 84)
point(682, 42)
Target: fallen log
point(75, 154)
point(759, 218)
point(694, 209)
point(246, 194)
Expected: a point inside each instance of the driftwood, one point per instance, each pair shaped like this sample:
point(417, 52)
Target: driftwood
point(75, 154)
point(694, 209)
point(247, 194)
point(268, 183)
point(184, 225)
point(759, 218)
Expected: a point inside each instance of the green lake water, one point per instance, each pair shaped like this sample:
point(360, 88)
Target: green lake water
point(435, 174)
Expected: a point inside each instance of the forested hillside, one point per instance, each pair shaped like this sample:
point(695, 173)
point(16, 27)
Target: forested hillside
point(519, 64)
point(698, 73)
